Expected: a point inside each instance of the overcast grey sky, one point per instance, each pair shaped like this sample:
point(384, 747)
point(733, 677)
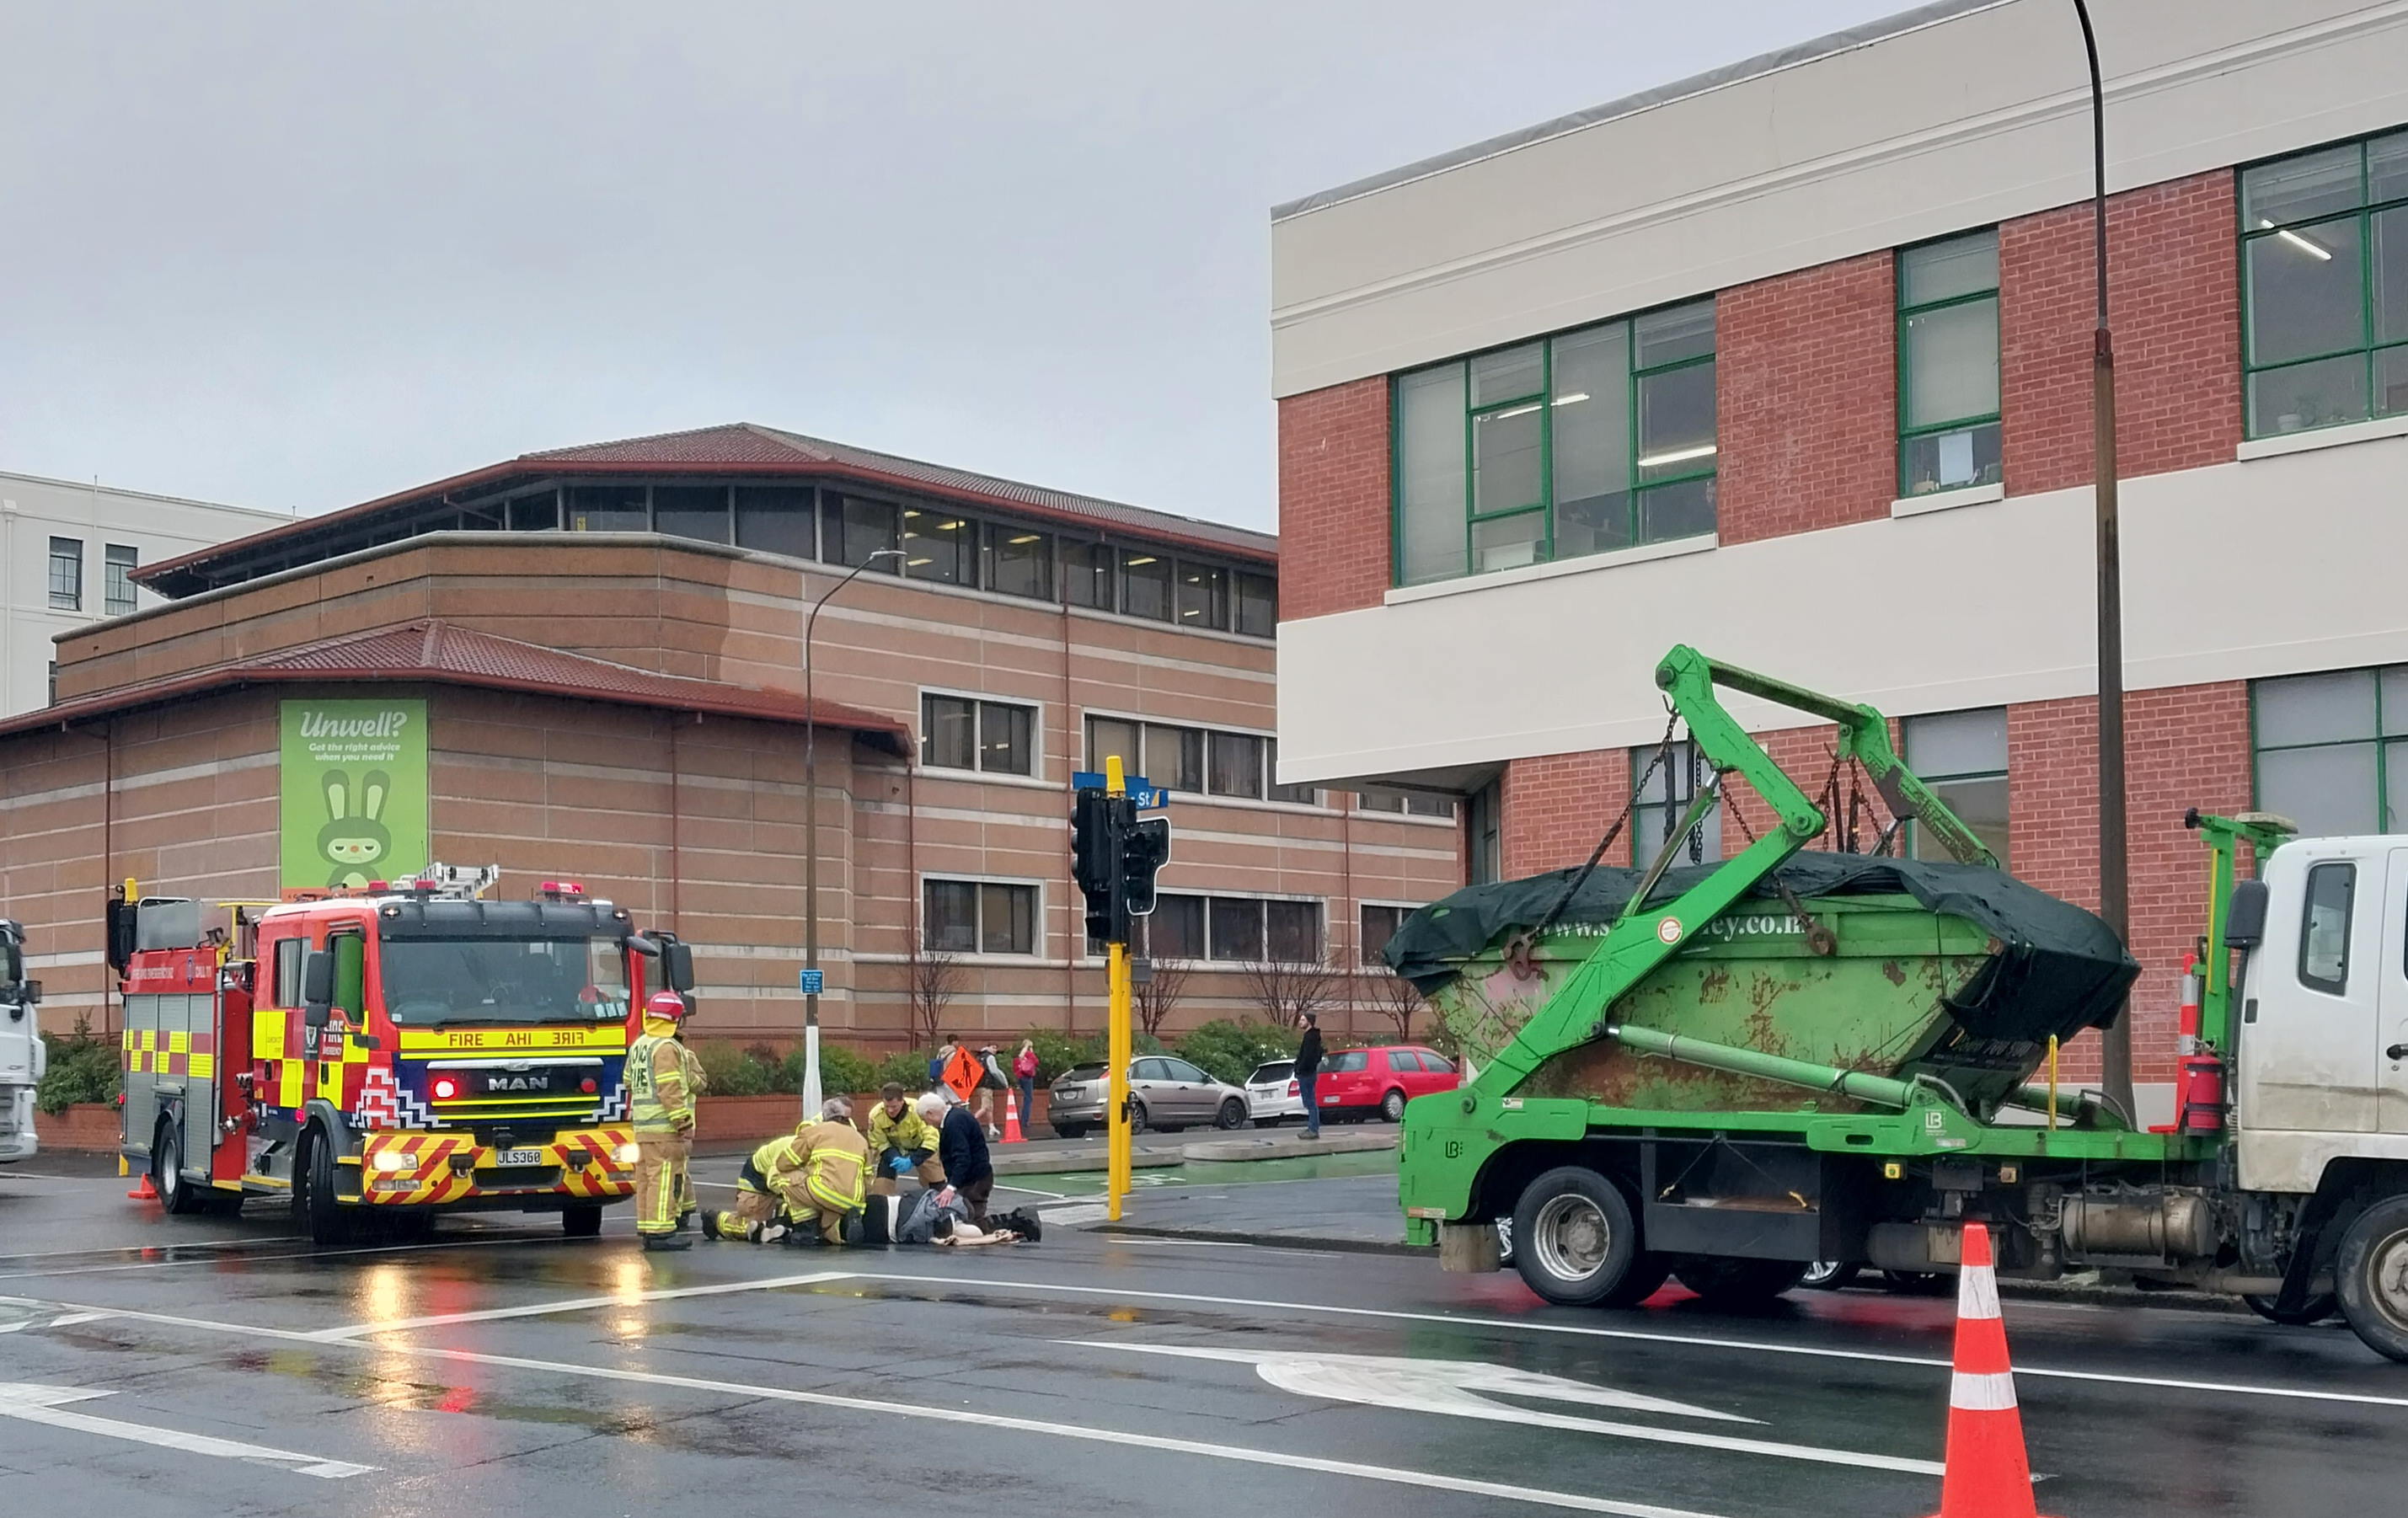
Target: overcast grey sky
point(299, 256)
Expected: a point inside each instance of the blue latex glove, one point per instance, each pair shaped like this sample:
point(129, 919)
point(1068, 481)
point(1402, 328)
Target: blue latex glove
point(900, 1165)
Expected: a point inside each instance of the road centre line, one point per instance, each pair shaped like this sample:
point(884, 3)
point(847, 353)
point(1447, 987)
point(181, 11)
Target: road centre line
point(1432, 1480)
point(1692, 1341)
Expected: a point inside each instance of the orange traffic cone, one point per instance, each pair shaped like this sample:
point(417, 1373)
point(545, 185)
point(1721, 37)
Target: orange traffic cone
point(144, 1193)
point(1011, 1134)
point(1987, 1475)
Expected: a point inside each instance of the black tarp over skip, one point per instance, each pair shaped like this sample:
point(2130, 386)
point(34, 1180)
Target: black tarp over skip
point(2059, 969)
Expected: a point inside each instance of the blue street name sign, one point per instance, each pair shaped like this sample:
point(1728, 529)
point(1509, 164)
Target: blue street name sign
point(1148, 795)
point(814, 981)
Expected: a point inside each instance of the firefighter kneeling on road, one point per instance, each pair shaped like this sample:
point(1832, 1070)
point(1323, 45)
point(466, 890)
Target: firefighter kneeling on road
point(660, 1096)
point(801, 1188)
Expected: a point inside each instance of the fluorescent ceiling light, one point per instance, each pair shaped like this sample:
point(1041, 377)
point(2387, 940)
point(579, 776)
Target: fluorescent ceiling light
point(2303, 244)
point(1519, 410)
point(908, 515)
point(949, 526)
point(915, 563)
point(1026, 538)
point(1146, 558)
point(1576, 396)
point(1678, 455)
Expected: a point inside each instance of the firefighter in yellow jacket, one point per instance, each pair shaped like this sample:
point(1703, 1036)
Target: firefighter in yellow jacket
point(660, 1097)
point(801, 1187)
point(902, 1142)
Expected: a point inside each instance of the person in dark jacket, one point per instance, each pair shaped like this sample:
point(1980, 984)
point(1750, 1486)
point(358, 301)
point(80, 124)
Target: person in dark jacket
point(1308, 1070)
point(961, 1149)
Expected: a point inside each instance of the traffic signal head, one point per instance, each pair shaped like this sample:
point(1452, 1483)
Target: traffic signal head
point(1091, 865)
point(1145, 848)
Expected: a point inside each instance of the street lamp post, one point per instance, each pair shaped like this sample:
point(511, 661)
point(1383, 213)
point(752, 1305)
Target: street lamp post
point(2116, 1043)
point(811, 1093)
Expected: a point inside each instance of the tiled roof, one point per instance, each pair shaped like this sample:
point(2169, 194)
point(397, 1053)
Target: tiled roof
point(740, 447)
point(440, 653)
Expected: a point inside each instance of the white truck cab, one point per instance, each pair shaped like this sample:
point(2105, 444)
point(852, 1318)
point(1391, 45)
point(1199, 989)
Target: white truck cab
point(22, 1055)
point(2321, 1055)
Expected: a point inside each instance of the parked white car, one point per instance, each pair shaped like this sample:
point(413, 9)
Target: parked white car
point(1273, 1093)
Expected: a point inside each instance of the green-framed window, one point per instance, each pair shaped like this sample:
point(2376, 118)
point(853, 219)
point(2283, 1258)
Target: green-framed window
point(2330, 750)
point(2324, 286)
point(1948, 364)
point(1962, 755)
point(1579, 443)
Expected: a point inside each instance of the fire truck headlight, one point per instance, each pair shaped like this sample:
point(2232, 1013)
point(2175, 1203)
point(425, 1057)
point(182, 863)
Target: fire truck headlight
point(388, 1160)
point(628, 1155)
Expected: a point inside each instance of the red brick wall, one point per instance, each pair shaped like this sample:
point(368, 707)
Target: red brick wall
point(2186, 746)
point(2175, 305)
point(1806, 399)
point(1333, 499)
point(1555, 806)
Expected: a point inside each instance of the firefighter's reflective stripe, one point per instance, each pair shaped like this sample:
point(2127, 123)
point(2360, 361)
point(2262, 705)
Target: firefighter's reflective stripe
point(657, 1097)
point(834, 1165)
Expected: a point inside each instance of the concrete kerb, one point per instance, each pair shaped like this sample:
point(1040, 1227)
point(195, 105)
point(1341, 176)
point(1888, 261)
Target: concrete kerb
point(1056, 1162)
point(1267, 1147)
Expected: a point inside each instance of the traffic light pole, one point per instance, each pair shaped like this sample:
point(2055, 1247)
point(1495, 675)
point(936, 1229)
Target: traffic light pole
point(1116, 1183)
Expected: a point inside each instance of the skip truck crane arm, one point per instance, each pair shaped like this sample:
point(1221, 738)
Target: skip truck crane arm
point(1649, 933)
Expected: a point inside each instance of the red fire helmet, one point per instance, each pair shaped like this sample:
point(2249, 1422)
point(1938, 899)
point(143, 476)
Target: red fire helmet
point(667, 1004)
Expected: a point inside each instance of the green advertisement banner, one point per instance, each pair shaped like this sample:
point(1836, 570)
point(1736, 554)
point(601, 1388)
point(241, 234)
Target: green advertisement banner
point(352, 793)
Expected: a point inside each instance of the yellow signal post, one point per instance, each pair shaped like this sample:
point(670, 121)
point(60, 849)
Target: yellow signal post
point(1116, 1177)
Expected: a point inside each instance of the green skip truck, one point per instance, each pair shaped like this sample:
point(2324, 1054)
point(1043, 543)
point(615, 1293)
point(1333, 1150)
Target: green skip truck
point(1725, 1072)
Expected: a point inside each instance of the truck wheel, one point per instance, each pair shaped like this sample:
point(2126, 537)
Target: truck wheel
point(176, 1193)
point(2371, 1276)
point(581, 1221)
point(1830, 1275)
point(1575, 1242)
point(2316, 1309)
point(1740, 1284)
point(315, 1212)
point(1392, 1107)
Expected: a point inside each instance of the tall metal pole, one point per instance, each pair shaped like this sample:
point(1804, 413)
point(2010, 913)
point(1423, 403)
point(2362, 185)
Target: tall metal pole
point(2114, 890)
point(811, 1094)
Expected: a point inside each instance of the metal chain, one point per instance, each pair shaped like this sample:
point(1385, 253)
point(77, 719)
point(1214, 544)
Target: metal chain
point(1517, 953)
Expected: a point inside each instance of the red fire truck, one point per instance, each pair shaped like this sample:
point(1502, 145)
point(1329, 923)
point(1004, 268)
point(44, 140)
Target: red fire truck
point(387, 1054)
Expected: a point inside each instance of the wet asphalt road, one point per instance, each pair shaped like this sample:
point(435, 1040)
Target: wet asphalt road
point(501, 1369)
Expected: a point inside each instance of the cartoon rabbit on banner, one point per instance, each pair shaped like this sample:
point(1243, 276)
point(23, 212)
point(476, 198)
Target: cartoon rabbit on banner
point(352, 793)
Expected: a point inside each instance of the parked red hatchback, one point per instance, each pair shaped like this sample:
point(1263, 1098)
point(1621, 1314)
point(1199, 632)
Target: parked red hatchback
point(1355, 1082)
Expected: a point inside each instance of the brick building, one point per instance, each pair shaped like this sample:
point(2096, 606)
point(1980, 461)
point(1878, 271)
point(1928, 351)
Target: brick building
point(1791, 361)
point(602, 648)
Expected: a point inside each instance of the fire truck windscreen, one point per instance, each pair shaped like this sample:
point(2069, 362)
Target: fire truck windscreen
point(432, 981)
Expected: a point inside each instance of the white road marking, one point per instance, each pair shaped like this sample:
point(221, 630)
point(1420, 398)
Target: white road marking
point(1453, 1388)
point(1639, 1334)
point(579, 1304)
point(31, 1403)
point(1432, 1480)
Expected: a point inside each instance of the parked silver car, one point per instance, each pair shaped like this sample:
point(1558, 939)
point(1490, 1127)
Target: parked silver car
point(1166, 1092)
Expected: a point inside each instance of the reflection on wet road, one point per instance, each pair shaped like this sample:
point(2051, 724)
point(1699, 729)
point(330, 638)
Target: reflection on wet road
point(215, 1365)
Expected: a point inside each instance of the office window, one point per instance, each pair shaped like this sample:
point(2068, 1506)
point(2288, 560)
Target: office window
point(1019, 561)
point(1485, 857)
point(608, 509)
point(1203, 597)
point(1409, 803)
point(1579, 443)
point(1237, 766)
point(957, 733)
point(855, 529)
point(964, 917)
point(2324, 286)
point(1962, 755)
point(117, 583)
point(940, 545)
point(1664, 795)
point(1174, 757)
point(1237, 928)
point(1176, 929)
point(1087, 576)
point(778, 519)
point(1292, 931)
point(2333, 750)
point(1110, 736)
point(1298, 795)
point(66, 574)
point(535, 513)
point(1258, 604)
point(1948, 364)
point(1380, 924)
point(697, 511)
point(1145, 586)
